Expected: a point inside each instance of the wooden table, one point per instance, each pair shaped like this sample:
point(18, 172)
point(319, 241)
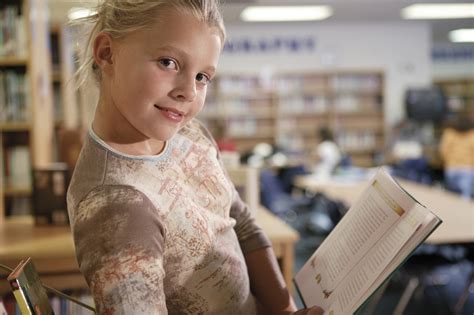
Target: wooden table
point(283, 238)
point(52, 249)
point(457, 213)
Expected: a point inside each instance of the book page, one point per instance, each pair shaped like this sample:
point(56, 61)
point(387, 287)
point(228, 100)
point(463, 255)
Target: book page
point(368, 237)
point(421, 233)
point(368, 269)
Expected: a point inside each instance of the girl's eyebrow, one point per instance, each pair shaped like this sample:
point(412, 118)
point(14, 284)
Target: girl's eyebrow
point(182, 54)
point(174, 50)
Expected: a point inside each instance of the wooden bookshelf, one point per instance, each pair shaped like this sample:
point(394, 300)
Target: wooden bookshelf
point(289, 109)
point(17, 191)
point(15, 126)
point(245, 106)
point(11, 61)
point(28, 62)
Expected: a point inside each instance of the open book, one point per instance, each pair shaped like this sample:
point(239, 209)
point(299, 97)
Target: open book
point(372, 240)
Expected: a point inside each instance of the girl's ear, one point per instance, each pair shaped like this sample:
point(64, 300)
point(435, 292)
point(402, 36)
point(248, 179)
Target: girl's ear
point(103, 51)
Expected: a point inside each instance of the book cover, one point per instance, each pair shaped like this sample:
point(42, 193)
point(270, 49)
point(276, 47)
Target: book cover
point(28, 290)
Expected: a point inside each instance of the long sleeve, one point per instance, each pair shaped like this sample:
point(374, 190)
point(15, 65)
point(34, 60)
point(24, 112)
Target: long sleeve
point(250, 235)
point(119, 244)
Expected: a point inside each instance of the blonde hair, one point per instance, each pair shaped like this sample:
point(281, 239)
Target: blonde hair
point(119, 18)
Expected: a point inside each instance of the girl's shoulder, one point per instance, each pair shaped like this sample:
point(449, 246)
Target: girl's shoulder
point(196, 131)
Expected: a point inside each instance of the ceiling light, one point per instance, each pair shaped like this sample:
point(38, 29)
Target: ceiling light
point(463, 35)
point(439, 11)
point(79, 13)
point(285, 13)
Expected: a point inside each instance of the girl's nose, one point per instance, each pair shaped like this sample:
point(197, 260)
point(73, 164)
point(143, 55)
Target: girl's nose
point(185, 89)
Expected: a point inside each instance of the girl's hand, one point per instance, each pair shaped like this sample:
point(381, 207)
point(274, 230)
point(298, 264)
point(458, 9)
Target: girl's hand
point(315, 310)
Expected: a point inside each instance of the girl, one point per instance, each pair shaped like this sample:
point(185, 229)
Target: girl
point(158, 226)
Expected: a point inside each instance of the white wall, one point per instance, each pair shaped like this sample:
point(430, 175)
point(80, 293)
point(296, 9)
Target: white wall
point(401, 51)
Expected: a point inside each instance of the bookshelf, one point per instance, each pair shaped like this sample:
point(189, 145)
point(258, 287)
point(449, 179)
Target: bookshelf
point(349, 103)
point(26, 102)
point(288, 109)
point(245, 106)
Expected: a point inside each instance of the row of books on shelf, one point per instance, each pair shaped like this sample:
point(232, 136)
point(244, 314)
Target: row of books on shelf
point(59, 305)
point(356, 140)
point(356, 83)
point(296, 126)
point(460, 89)
point(303, 104)
point(248, 106)
point(347, 140)
point(287, 83)
point(351, 104)
point(13, 97)
point(290, 105)
point(321, 104)
point(16, 166)
point(366, 83)
point(237, 84)
point(294, 83)
point(20, 205)
point(12, 32)
point(248, 127)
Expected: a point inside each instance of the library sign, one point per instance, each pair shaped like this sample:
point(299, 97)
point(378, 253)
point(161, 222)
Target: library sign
point(275, 44)
point(452, 53)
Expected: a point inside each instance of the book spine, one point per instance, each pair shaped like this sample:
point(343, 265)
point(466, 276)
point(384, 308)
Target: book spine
point(20, 298)
point(12, 32)
point(299, 293)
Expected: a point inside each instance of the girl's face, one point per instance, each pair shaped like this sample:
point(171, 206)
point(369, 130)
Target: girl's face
point(157, 78)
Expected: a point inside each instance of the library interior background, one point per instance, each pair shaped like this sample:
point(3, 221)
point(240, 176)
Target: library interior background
point(303, 112)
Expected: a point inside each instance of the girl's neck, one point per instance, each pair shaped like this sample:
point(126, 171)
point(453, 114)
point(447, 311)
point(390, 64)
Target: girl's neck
point(115, 130)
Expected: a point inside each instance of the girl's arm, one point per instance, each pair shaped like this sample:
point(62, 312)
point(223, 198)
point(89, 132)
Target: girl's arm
point(119, 245)
point(268, 285)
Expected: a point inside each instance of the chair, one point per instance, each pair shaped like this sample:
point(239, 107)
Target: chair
point(423, 270)
point(458, 308)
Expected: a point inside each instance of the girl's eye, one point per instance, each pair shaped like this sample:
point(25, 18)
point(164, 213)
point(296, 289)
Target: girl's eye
point(168, 63)
point(203, 78)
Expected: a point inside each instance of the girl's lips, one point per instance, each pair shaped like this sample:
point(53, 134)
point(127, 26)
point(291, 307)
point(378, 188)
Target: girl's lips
point(171, 113)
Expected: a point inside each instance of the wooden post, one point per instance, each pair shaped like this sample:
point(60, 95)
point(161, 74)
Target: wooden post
point(2, 183)
point(68, 88)
point(40, 78)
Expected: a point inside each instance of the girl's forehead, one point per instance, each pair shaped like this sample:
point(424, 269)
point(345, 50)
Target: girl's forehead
point(176, 27)
point(178, 35)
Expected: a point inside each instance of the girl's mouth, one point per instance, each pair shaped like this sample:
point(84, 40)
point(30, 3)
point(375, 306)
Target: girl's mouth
point(170, 113)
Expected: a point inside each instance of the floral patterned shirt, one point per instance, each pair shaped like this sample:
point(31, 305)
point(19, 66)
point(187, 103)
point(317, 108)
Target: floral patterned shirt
point(162, 234)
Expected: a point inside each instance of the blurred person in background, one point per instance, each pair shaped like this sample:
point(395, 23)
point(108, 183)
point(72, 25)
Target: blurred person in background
point(328, 154)
point(457, 153)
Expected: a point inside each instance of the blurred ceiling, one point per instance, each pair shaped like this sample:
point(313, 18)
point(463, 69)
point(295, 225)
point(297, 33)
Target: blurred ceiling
point(345, 11)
